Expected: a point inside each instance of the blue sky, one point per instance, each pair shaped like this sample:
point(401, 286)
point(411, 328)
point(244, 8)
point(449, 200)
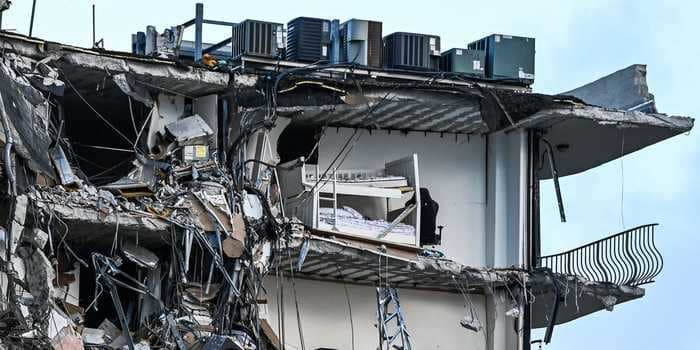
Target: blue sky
point(577, 42)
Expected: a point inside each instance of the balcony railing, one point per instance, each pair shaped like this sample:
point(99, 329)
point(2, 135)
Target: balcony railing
point(628, 258)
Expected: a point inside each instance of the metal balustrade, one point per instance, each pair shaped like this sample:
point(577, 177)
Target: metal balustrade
point(628, 258)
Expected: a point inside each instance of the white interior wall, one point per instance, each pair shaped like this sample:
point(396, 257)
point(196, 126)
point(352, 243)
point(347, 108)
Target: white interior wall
point(480, 230)
point(432, 318)
point(169, 109)
point(452, 170)
point(273, 136)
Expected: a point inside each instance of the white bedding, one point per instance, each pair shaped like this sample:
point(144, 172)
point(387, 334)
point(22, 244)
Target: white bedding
point(352, 222)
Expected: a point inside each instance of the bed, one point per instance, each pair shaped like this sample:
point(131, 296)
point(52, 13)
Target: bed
point(324, 205)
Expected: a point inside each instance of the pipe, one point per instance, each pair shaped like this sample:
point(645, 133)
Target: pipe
point(555, 178)
point(7, 152)
point(31, 19)
point(93, 25)
point(12, 193)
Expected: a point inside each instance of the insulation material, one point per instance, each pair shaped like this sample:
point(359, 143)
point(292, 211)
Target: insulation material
point(63, 168)
point(140, 256)
point(129, 87)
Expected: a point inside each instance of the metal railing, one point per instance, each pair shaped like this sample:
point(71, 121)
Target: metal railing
point(198, 21)
point(628, 258)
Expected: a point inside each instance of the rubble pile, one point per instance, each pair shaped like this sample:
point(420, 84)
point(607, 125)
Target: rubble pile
point(171, 255)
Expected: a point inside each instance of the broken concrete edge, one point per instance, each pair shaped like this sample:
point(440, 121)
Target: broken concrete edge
point(544, 282)
point(412, 262)
point(624, 89)
point(577, 297)
point(597, 295)
point(113, 62)
point(679, 124)
point(126, 220)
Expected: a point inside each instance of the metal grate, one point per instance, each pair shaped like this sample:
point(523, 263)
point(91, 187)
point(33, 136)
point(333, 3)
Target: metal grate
point(628, 258)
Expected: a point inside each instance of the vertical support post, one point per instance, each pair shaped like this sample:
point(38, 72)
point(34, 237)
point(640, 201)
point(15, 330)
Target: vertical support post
point(198, 21)
point(534, 199)
point(31, 19)
point(316, 195)
point(531, 235)
point(335, 200)
point(93, 25)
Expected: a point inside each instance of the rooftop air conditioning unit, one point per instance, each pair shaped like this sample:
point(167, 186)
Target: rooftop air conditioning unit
point(464, 61)
point(308, 39)
point(508, 57)
point(412, 51)
point(357, 42)
point(257, 38)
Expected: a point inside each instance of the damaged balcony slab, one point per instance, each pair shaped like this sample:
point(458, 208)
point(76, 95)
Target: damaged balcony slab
point(587, 136)
point(328, 259)
point(147, 71)
point(578, 297)
point(95, 221)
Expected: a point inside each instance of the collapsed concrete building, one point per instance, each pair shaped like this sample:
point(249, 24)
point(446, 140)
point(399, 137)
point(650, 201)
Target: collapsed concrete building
point(154, 203)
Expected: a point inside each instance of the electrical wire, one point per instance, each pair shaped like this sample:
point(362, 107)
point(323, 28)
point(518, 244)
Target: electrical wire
point(296, 300)
point(131, 113)
point(131, 143)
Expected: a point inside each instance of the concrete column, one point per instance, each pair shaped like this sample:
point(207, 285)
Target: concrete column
point(506, 226)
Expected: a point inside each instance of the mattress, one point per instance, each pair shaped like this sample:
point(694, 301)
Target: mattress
point(352, 222)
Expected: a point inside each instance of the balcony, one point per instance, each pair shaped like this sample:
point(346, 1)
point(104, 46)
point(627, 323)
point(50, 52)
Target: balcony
point(629, 258)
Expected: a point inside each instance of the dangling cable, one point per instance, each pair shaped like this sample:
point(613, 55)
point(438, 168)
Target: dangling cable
point(296, 300)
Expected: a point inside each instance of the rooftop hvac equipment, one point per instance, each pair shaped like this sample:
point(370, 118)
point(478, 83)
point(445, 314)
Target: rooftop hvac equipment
point(412, 51)
point(308, 39)
point(152, 43)
point(357, 41)
point(138, 43)
point(470, 62)
point(257, 38)
point(508, 57)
